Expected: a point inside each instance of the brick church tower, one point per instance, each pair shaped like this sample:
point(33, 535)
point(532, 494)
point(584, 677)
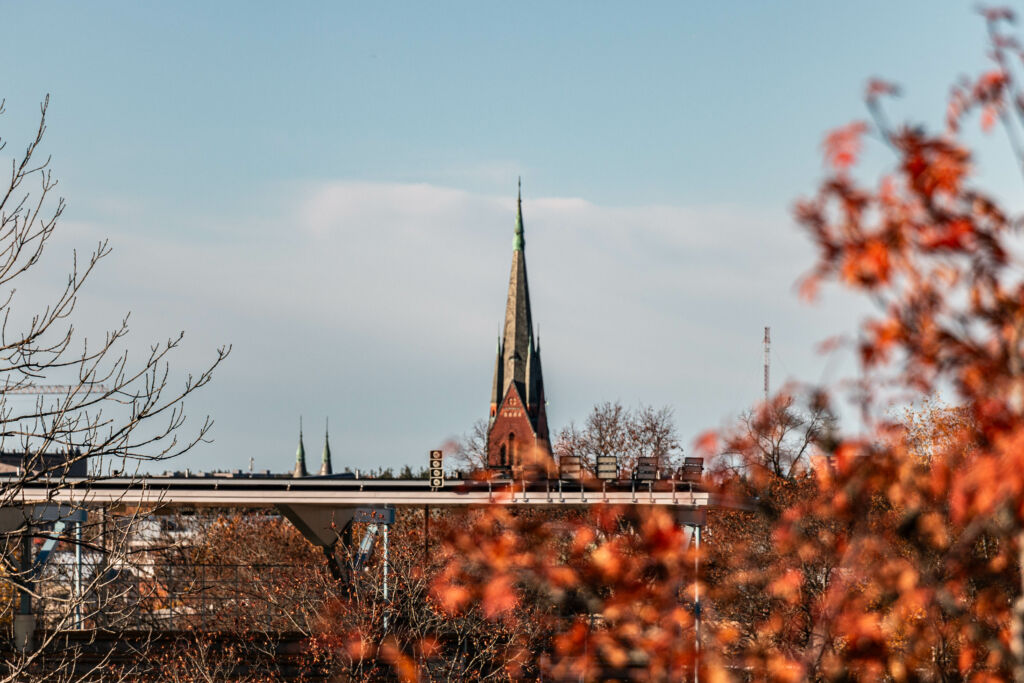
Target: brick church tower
point(517, 434)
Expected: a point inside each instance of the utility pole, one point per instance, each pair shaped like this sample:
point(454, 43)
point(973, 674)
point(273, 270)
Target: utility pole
point(767, 359)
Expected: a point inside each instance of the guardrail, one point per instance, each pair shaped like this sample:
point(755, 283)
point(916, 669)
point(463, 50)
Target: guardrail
point(259, 492)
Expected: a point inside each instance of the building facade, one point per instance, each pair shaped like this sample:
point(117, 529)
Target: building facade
point(517, 434)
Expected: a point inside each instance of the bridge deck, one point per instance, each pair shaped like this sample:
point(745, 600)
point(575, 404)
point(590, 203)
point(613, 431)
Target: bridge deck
point(266, 492)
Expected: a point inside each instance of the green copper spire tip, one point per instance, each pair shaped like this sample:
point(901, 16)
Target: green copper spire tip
point(300, 456)
point(517, 243)
point(326, 469)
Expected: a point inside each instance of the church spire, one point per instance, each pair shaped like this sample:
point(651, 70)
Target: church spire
point(519, 242)
point(325, 462)
point(300, 457)
point(518, 418)
point(515, 344)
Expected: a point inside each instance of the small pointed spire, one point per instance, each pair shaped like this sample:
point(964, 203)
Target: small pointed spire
point(518, 243)
point(325, 463)
point(529, 398)
point(300, 456)
point(498, 383)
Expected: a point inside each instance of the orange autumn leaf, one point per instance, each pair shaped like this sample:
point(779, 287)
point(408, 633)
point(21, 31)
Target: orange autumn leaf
point(608, 560)
point(867, 264)
point(452, 598)
point(951, 235)
point(707, 443)
point(877, 87)
point(787, 586)
point(988, 118)
point(807, 288)
point(844, 144)
point(499, 596)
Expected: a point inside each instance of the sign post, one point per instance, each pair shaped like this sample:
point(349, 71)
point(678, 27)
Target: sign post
point(692, 469)
point(436, 470)
point(646, 469)
point(607, 467)
point(696, 517)
point(384, 517)
point(569, 467)
point(607, 470)
point(366, 515)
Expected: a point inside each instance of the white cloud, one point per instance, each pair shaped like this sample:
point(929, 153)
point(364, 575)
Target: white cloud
point(379, 304)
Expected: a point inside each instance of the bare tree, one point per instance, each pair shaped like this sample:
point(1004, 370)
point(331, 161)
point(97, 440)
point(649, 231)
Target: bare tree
point(652, 434)
point(572, 442)
point(111, 416)
point(260, 591)
point(780, 436)
point(607, 430)
point(409, 631)
point(470, 450)
point(628, 434)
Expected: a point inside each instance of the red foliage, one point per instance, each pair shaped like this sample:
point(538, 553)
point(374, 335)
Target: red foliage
point(844, 144)
point(891, 554)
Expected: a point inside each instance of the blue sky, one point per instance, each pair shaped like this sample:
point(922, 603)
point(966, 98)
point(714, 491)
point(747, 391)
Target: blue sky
point(677, 101)
point(330, 187)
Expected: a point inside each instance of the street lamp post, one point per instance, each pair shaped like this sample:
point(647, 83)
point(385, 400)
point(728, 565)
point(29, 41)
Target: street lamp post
point(695, 517)
point(696, 605)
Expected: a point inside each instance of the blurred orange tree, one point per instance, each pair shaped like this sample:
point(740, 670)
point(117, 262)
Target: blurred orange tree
point(895, 553)
point(891, 554)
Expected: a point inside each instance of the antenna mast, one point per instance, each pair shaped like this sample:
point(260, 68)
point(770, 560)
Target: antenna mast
point(767, 361)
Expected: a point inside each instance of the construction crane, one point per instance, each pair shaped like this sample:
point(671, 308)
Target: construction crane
point(56, 389)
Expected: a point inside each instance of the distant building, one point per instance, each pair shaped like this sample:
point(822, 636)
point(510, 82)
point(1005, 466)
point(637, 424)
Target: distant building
point(517, 432)
point(67, 464)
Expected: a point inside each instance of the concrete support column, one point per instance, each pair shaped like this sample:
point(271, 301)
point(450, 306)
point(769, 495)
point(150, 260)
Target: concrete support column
point(323, 525)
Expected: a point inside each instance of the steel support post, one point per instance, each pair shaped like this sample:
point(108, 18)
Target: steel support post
point(696, 518)
point(25, 620)
point(78, 575)
point(696, 606)
point(386, 559)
